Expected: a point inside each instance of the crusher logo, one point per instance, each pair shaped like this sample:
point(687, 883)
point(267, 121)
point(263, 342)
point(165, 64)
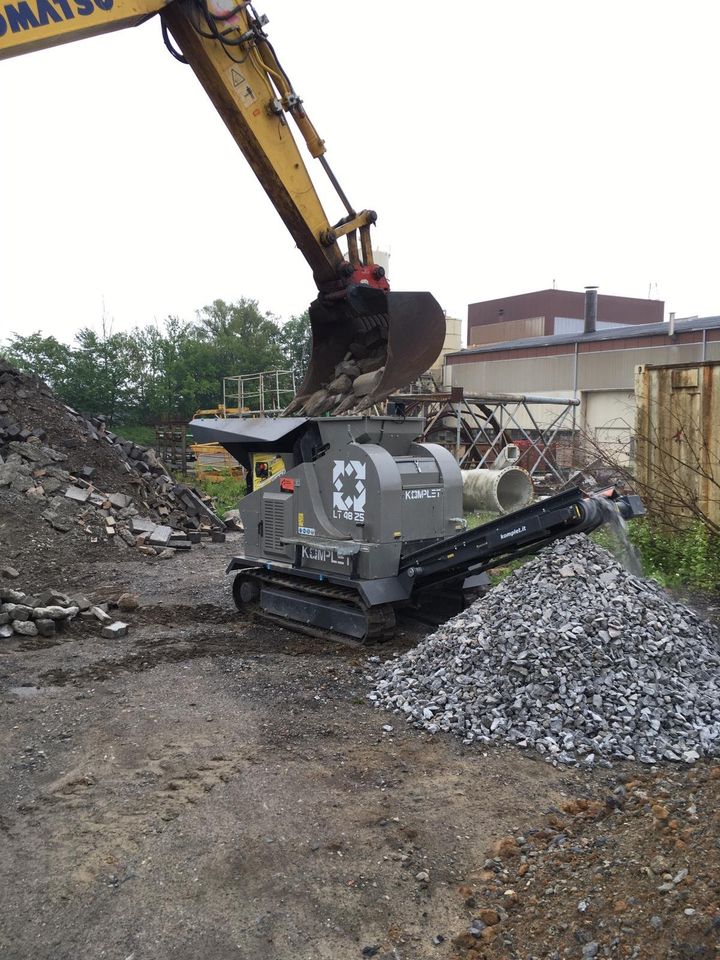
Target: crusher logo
point(513, 533)
point(424, 493)
point(26, 16)
point(349, 490)
point(324, 555)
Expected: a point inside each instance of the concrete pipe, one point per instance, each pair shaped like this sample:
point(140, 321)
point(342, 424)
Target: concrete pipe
point(500, 491)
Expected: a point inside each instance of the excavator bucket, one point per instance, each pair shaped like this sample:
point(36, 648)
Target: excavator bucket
point(366, 347)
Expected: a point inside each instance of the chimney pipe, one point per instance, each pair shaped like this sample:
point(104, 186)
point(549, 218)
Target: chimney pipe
point(590, 309)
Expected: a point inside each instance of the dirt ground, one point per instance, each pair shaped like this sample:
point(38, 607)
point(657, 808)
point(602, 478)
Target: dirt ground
point(212, 788)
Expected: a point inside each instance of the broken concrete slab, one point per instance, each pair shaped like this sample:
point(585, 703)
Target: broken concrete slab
point(115, 630)
point(53, 596)
point(142, 525)
point(8, 595)
point(160, 536)
point(51, 485)
point(54, 613)
point(194, 504)
point(22, 483)
point(18, 611)
point(60, 514)
point(119, 500)
point(77, 493)
point(100, 614)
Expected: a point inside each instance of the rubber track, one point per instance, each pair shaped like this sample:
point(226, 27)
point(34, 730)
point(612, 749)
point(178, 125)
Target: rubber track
point(380, 620)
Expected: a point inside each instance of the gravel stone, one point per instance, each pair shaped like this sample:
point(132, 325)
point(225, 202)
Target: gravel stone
point(583, 668)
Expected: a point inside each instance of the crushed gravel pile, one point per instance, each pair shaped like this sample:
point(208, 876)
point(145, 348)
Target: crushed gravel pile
point(572, 656)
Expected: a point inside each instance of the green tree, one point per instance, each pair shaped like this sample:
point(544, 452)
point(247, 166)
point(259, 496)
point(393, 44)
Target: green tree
point(162, 372)
point(45, 356)
point(99, 378)
point(296, 343)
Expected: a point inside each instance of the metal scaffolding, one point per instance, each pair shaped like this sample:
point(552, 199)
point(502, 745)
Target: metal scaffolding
point(476, 427)
point(263, 394)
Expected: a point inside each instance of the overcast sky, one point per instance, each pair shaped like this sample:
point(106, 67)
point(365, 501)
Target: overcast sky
point(505, 145)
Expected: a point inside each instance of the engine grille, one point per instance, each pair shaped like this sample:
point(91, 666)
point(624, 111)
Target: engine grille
point(274, 522)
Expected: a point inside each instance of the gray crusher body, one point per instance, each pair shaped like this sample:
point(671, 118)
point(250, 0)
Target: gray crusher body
point(348, 519)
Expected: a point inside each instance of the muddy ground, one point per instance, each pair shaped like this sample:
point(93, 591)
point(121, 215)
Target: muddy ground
point(208, 787)
point(212, 788)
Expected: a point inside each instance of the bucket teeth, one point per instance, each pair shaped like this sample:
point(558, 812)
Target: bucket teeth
point(354, 340)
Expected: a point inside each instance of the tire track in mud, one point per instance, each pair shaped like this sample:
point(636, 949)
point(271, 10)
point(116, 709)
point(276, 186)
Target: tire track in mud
point(153, 644)
point(102, 823)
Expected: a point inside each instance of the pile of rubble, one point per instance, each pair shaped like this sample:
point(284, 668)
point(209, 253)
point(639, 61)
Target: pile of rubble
point(572, 656)
point(48, 613)
point(81, 476)
point(355, 379)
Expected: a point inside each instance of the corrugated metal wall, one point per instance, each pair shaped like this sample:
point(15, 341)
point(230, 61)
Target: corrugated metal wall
point(599, 370)
point(603, 376)
point(677, 439)
point(506, 330)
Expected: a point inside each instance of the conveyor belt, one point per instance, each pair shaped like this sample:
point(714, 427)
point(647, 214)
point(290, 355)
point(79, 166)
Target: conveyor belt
point(522, 532)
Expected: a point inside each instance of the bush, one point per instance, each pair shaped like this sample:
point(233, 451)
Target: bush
point(688, 557)
point(225, 489)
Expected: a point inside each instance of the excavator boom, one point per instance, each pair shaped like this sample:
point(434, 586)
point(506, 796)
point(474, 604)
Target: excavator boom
point(366, 341)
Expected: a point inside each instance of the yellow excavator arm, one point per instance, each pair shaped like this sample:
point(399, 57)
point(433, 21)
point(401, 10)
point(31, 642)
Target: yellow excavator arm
point(226, 45)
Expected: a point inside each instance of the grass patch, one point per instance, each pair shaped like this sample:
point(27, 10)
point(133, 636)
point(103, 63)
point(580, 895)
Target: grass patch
point(476, 519)
point(678, 558)
point(225, 489)
point(138, 433)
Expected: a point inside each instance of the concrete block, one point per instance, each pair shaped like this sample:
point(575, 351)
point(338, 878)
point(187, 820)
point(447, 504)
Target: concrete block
point(51, 485)
point(51, 613)
point(18, 611)
point(77, 493)
point(119, 500)
point(160, 536)
point(142, 525)
point(100, 615)
point(114, 630)
point(53, 597)
point(8, 595)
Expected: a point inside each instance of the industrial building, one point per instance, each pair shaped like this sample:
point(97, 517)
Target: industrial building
point(568, 344)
